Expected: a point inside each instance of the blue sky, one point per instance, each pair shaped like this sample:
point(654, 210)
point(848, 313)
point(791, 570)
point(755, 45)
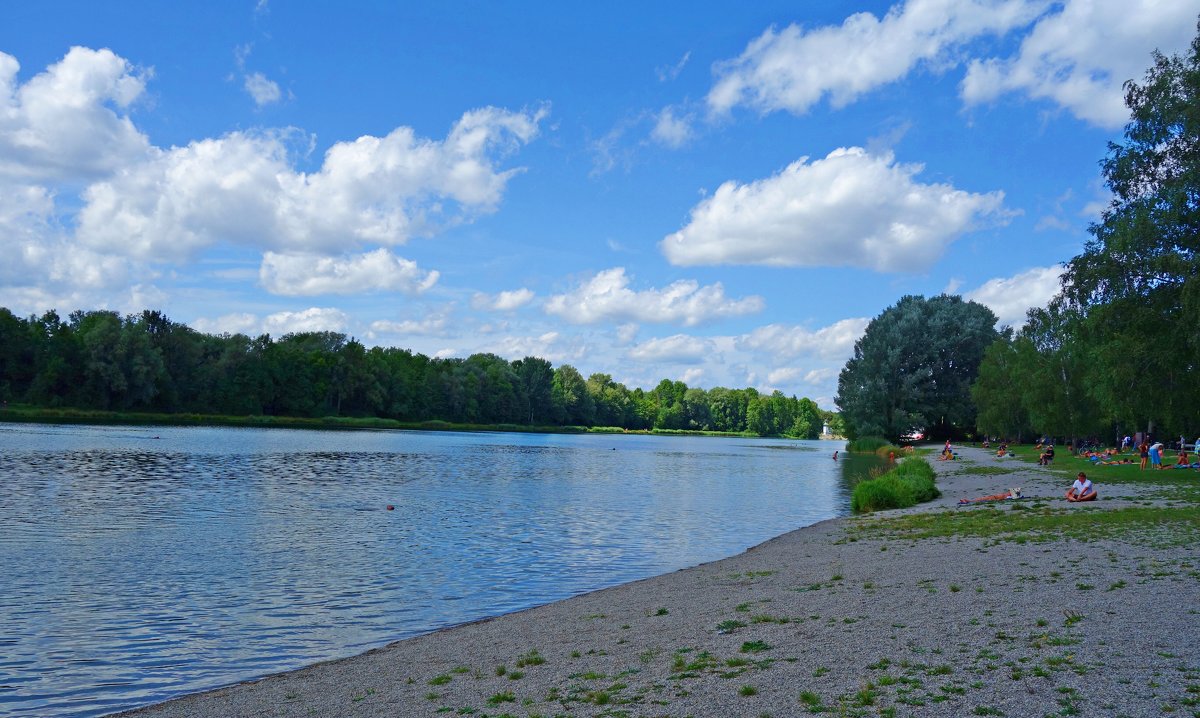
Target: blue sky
point(723, 195)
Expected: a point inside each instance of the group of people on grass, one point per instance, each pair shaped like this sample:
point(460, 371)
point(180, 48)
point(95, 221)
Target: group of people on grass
point(1083, 489)
point(1153, 454)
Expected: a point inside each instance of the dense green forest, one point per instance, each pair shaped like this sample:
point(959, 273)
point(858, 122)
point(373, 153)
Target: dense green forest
point(146, 362)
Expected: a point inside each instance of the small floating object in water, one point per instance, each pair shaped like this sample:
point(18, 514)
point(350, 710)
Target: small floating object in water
point(391, 508)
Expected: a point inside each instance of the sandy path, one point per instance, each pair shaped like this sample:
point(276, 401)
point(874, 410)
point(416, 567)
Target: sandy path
point(834, 616)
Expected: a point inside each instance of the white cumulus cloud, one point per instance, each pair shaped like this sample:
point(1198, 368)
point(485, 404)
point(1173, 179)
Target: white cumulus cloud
point(505, 301)
point(784, 375)
point(307, 275)
point(68, 122)
point(552, 346)
point(851, 208)
point(607, 297)
point(1011, 297)
point(313, 319)
point(1080, 56)
point(235, 323)
point(835, 341)
point(794, 68)
point(672, 131)
point(242, 189)
point(42, 267)
point(676, 349)
point(430, 325)
point(263, 90)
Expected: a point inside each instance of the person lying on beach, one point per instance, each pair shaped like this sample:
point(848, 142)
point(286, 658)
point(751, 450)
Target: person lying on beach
point(1010, 494)
point(1081, 490)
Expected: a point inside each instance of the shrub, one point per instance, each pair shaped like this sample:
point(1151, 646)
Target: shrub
point(866, 444)
point(883, 451)
point(910, 483)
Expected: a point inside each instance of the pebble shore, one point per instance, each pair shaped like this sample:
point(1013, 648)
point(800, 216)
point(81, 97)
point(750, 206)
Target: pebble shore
point(843, 617)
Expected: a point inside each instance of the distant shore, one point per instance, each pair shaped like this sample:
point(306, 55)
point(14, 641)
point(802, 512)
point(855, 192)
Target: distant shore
point(44, 415)
point(1029, 607)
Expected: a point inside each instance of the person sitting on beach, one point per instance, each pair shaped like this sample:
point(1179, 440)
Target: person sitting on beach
point(1002, 451)
point(1081, 490)
point(1047, 456)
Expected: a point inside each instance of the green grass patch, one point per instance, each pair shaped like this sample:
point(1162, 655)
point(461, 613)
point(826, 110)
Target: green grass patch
point(866, 444)
point(1159, 527)
point(755, 647)
point(505, 697)
point(533, 658)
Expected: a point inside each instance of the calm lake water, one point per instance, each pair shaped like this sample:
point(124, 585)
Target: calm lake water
point(141, 563)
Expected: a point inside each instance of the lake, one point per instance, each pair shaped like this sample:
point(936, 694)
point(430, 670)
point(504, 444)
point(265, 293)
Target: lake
point(141, 563)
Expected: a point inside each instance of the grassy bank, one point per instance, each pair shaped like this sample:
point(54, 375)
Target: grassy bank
point(908, 484)
point(43, 415)
point(874, 445)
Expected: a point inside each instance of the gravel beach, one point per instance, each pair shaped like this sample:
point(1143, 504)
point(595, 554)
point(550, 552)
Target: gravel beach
point(852, 616)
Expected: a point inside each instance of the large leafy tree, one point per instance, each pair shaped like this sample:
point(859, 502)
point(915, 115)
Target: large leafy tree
point(999, 401)
point(914, 366)
point(1137, 282)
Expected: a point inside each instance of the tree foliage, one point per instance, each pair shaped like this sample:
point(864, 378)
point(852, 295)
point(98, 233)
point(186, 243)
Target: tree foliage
point(913, 368)
point(1118, 349)
point(146, 362)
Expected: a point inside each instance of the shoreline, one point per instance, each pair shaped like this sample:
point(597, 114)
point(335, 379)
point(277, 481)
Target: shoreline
point(843, 615)
point(88, 417)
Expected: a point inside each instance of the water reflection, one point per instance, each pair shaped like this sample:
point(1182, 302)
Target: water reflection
point(138, 564)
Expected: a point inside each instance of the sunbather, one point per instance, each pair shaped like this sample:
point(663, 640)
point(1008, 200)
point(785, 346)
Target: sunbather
point(1010, 494)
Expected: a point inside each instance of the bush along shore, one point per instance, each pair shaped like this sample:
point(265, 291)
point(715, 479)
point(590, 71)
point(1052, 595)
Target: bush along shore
point(908, 483)
point(1030, 607)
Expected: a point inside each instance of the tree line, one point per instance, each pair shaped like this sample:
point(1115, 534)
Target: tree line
point(1116, 351)
point(146, 362)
